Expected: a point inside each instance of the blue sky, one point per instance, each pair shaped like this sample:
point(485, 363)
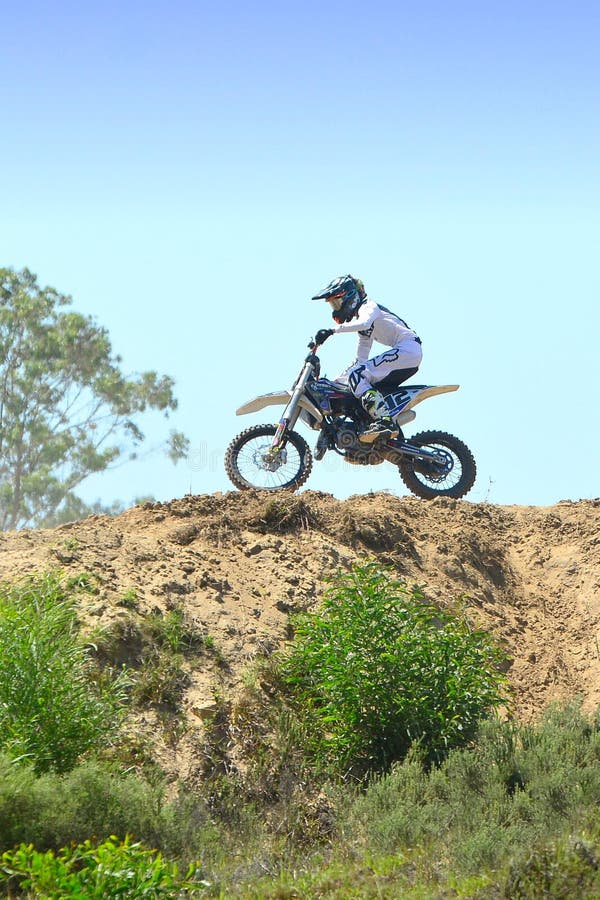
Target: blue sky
point(191, 173)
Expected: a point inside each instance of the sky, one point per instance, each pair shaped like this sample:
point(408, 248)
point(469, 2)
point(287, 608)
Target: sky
point(191, 173)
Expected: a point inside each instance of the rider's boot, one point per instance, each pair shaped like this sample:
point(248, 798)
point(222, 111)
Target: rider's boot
point(383, 425)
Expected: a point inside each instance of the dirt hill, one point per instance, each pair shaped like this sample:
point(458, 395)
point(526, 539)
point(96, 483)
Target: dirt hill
point(240, 563)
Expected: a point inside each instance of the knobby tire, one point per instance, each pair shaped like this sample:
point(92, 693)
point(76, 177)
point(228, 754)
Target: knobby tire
point(242, 440)
point(414, 480)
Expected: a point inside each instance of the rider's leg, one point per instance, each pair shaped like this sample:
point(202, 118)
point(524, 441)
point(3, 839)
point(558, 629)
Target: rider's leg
point(373, 403)
point(363, 381)
point(383, 425)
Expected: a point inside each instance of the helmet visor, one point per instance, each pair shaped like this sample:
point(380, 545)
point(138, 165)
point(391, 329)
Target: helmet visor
point(336, 301)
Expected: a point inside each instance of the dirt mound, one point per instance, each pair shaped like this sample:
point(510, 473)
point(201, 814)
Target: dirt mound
point(240, 563)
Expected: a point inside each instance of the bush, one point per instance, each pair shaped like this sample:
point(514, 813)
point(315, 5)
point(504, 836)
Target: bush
point(517, 787)
point(378, 668)
point(51, 709)
point(111, 869)
point(52, 810)
point(570, 869)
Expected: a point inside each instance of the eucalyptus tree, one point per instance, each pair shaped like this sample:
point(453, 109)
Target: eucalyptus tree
point(67, 409)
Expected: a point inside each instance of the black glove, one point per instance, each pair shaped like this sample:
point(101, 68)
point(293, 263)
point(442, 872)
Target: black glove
point(322, 335)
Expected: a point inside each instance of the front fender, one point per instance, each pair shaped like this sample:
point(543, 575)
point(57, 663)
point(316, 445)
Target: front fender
point(278, 398)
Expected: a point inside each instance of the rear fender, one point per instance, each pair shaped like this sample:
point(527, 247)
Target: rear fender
point(278, 398)
point(404, 399)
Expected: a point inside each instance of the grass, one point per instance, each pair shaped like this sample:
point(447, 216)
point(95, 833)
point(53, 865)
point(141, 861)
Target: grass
point(160, 681)
point(173, 632)
point(52, 711)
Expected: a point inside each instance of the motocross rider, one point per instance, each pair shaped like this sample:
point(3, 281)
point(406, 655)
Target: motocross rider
point(352, 310)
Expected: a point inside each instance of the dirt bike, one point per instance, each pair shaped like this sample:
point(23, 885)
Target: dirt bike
point(277, 458)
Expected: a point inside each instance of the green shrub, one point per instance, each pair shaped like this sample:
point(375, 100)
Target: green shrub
point(570, 869)
point(52, 810)
point(51, 708)
point(378, 668)
point(516, 787)
point(113, 868)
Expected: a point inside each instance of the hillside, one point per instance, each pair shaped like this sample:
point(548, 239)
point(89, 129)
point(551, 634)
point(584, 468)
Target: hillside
point(240, 563)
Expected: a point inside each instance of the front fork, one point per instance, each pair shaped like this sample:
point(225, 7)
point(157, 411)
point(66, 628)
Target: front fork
point(278, 441)
point(292, 410)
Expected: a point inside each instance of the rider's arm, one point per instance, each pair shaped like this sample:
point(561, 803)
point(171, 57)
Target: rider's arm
point(363, 351)
point(367, 314)
point(365, 342)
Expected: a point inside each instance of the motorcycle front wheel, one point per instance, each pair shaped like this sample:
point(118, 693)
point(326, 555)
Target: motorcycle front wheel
point(451, 475)
point(251, 463)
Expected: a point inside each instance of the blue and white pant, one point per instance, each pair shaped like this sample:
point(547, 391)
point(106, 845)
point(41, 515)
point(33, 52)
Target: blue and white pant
point(365, 375)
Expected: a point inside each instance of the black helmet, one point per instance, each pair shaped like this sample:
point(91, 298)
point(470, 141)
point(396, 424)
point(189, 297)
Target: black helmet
point(345, 295)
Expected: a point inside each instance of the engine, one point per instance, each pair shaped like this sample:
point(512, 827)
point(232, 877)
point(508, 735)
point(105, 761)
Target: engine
point(346, 437)
point(357, 454)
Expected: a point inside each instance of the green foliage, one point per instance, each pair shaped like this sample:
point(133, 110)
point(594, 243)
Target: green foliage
point(67, 410)
point(378, 668)
point(570, 869)
point(174, 632)
point(158, 649)
point(514, 814)
point(517, 787)
point(51, 710)
point(52, 810)
point(129, 600)
point(97, 799)
point(114, 868)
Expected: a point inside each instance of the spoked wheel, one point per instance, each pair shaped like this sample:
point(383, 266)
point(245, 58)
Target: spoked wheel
point(251, 463)
point(451, 474)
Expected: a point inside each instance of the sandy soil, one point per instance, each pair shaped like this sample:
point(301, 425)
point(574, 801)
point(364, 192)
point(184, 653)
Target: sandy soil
point(240, 563)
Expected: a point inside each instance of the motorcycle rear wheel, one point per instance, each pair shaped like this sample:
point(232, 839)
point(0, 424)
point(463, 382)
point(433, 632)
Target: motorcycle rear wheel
point(426, 481)
point(249, 466)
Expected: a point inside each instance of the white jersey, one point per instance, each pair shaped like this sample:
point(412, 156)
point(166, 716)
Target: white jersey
point(375, 322)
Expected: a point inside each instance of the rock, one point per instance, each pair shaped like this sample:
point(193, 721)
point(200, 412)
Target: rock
point(205, 710)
